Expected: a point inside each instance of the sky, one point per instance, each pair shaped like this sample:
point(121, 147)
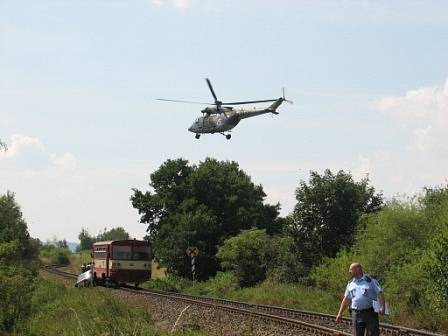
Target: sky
point(79, 82)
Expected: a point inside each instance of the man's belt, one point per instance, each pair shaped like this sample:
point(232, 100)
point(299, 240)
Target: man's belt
point(363, 310)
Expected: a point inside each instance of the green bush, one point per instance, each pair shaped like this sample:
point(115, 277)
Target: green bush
point(391, 236)
point(50, 254)
point(284, 264)
point(332, 274)
point(171, 283)
point(16, 286)
point(222, 284)
point(246, 255)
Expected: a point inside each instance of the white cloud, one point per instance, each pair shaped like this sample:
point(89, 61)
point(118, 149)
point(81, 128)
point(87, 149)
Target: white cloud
point(19, 143)
point(26, 153)
point(421, 115)
point(429, 105)
point(424, 112)
point(181, 4)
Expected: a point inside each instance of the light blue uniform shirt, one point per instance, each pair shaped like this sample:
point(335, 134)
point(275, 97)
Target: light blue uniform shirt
point(362, 292)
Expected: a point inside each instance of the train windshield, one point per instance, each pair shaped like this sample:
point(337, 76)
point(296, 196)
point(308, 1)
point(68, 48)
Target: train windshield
point(122, 253)
point(142, 253)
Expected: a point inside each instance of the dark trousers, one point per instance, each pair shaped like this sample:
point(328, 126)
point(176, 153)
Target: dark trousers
point(366, 320)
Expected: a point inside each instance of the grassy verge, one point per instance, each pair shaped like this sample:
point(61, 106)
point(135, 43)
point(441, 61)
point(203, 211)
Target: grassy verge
point(56, 310)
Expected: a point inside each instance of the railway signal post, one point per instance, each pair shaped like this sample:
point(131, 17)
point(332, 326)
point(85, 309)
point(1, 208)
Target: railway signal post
point(192, 252)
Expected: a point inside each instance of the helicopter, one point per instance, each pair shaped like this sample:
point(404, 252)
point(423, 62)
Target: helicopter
point(221, 118)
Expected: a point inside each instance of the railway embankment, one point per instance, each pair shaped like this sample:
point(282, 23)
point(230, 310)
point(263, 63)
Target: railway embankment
point(222, 317)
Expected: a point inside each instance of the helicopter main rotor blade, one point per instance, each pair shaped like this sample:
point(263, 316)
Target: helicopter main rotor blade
point(211, 89)
point(251, 102)
point(184, 101)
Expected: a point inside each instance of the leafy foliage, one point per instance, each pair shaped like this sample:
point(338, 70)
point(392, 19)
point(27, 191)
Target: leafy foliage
point(18, 264)
point(246, 255)
point(327, 212)
point(117, 233)
point(391, 237)
point(201, 206)
point(332, 273)
point(16, 285)
point(437, 265)
point(86, 241)
point(16, 244)
point(51, 254)
point(284, 264)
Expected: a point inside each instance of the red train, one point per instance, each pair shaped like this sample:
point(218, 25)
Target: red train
point(119, 262)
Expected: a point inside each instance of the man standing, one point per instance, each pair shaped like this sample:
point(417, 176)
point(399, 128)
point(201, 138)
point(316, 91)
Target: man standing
point(361, 291)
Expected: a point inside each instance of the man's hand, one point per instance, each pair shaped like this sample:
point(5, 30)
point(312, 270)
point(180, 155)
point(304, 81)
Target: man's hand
point(344, 304)
point(381, 310)
point(338, 318)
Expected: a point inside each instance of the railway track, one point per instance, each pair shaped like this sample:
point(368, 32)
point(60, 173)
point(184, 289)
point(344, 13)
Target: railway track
point(300, 320)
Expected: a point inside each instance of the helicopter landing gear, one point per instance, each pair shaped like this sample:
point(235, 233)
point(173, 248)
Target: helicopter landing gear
point(228, 136)
point(197, 136)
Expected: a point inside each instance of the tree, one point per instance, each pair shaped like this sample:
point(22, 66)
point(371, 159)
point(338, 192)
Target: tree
point(14, 236)
point(18, 264)
point(117, 233)
point(85, 240)
point(202, 206)
point(327, 212)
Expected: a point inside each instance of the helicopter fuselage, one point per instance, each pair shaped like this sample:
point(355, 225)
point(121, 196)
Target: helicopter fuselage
point(225, 120)
point(215, 123)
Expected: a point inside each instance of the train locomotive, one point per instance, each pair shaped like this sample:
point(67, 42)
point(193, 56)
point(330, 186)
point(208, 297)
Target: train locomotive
point(118, 262)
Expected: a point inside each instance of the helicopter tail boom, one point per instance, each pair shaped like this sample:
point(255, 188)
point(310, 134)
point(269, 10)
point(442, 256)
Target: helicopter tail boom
point(275, 105)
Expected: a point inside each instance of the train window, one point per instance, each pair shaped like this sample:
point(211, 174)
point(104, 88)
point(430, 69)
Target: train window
point(122, 253)
point(100, 255)
point(142, 253)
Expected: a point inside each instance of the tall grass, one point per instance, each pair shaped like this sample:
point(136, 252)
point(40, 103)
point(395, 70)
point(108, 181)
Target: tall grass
point(57, 310)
